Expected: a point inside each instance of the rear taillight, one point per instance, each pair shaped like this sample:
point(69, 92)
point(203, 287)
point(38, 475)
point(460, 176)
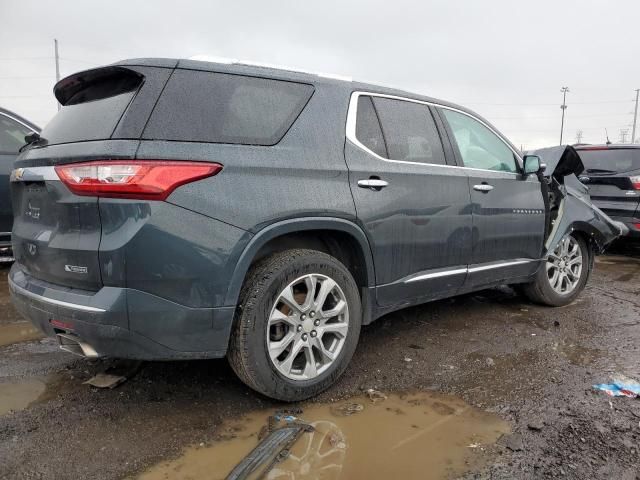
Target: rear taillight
point(139, 179)
point(635, 181)
point(637, 225)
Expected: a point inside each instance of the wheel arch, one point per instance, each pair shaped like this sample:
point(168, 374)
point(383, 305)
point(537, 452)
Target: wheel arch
point(303, 228)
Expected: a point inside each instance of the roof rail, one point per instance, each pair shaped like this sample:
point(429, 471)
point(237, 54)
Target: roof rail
point(249, 63)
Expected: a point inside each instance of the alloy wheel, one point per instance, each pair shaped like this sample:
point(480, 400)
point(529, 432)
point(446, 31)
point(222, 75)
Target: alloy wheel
point(307, 327)
point(564, 265)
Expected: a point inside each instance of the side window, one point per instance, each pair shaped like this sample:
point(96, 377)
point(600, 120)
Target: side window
point(368, 130)
point(12, 135)
point(198, 106)
point(409, 131)
point(479, 146)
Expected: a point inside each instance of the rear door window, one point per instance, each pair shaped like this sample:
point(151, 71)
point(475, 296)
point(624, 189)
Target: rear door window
point(368, 131)
point(222, 108)
point(409, 131)
point(12, 135)
point(479, 147)
point(610, 161)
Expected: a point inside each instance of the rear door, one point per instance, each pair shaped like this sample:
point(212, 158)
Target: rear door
point(613, 178)
point(508, 208)
point(412, 204)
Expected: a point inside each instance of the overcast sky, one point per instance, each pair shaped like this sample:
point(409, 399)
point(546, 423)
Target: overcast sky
point(506, 59)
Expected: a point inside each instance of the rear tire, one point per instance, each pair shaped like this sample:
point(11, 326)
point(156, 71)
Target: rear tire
point(559, 281)
point(297, 324)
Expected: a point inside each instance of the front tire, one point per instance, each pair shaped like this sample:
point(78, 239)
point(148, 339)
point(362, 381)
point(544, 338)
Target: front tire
point(297, 324)
point(564, 274)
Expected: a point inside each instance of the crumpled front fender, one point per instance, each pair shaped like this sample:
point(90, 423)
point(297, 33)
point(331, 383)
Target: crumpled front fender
point(577, 213)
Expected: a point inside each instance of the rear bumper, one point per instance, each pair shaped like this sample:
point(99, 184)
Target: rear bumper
point(121, 322)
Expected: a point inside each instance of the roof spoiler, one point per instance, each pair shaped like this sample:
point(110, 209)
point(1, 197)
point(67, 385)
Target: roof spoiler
point(96, 84)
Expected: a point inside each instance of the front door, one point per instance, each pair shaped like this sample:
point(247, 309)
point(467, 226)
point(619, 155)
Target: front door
point(508, 208)
point(413, 206)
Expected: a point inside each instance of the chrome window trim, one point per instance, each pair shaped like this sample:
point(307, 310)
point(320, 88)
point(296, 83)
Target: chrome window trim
point(18, 121)
point(352, 116)
point(34, 174)
point(23, 291)
point(427, 275)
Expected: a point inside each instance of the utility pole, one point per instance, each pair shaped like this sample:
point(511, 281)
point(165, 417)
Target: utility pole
point(623, 135)
point(564, 91)
point(579, 134)
point(635, 118)
point(55, 44)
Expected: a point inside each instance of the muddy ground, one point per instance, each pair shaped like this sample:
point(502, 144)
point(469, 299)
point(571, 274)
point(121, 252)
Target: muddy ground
point(531, 366)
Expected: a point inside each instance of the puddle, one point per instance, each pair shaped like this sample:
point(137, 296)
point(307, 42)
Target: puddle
point(420, 435)
point(18, 332)
point(15, 396)
point(579, 355)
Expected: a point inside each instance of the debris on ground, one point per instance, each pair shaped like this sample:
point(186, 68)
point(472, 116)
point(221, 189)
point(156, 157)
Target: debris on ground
point(282, 431)
point(490, 362)
point(114, 375)
point(375, 396)
point(104, 380)
point(346, 409)
point(620, 389)
point(514, 442)
point(535, 425)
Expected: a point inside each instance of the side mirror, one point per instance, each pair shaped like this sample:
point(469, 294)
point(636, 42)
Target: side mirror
point(533, 164)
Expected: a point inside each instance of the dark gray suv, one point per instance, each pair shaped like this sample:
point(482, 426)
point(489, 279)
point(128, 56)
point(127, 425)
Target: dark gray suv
point(178, 209)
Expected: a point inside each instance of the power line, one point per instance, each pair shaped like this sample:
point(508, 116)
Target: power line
point(599, 102)
point(23, 77)
point(525, 117)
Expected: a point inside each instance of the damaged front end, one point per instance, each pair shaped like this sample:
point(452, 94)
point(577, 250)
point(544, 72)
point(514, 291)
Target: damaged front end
point(569, 205)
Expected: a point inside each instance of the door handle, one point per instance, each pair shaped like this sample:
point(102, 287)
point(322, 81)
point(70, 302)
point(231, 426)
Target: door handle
point(483, 187)
point(373, 183)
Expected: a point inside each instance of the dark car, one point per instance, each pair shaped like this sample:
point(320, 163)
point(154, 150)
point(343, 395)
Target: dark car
point(13, 129)
point(178, 209)
point(612, 173)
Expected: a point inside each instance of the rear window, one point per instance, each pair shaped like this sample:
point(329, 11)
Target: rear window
point(92, 102)
point(221, 108)
point(610, 161)
point(94, 120)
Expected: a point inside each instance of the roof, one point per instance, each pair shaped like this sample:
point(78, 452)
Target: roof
point(279, 73)
point(282, 73)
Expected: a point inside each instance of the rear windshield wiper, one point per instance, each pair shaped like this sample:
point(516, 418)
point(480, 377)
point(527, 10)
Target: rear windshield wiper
point(600, 170)
point(32, 139)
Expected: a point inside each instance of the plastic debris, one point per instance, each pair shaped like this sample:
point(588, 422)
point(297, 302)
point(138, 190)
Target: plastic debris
point(116, 374)
point(104, 380)
point(375, 396)
point(347, 409)
point(272, 449)
point(620, 389)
